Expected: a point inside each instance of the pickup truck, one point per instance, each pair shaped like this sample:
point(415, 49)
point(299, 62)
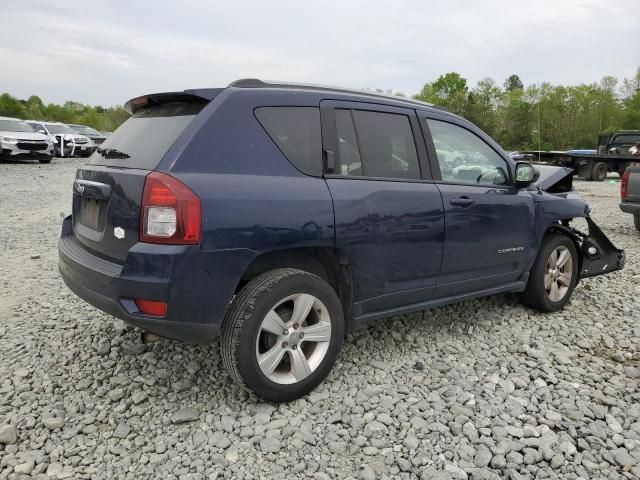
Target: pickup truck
point(630, 194)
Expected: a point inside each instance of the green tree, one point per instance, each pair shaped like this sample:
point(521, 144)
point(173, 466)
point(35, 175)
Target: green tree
point(512, 82)
point(449, 90)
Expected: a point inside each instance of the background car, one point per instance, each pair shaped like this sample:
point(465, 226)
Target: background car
point(96, 137)
point(19, 140)
point(69, 142)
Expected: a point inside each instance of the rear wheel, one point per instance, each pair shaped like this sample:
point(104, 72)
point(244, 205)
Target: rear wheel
point(553, 276)
point(599, 171)
point(636, 222)
point(282, 334)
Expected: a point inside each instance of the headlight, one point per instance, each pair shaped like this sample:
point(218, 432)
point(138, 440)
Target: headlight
point(10, 140)
point(68, 137)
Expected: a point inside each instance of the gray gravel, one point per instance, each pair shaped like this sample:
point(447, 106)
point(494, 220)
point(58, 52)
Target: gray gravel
point(523, 396)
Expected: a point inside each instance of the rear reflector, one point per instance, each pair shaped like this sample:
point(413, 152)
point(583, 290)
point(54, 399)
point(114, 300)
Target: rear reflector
point(151, 307)
point(170, 212)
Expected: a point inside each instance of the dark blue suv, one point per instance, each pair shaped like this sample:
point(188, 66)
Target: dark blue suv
point(278, 216)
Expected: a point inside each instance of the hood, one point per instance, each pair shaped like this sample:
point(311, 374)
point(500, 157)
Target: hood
point(24, 135)
point(555, 179)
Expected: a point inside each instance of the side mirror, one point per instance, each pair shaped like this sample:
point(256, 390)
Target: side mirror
point(526, 174)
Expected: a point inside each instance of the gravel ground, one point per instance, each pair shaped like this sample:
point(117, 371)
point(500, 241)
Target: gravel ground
point(485, 389)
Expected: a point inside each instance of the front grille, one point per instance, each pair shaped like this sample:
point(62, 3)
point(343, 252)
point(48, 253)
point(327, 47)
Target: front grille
point(98, 141)
point(32, 145)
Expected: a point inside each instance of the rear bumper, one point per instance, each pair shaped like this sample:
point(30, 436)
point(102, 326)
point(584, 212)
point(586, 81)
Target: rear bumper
point(83, 150)
point(632, 208)
point(195, 285)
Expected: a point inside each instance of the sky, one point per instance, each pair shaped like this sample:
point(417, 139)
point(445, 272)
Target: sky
point(105, 52)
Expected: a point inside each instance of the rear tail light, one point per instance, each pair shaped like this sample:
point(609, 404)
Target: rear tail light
point(170, 212)
point(624, 185)
point(151, 307)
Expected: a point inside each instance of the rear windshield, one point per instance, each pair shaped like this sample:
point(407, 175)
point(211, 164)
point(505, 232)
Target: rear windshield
point(145, 137)
point(81, 129)
point(59, 128)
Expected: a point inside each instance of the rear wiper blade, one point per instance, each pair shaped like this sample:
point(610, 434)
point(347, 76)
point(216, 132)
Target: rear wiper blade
point(112, 153)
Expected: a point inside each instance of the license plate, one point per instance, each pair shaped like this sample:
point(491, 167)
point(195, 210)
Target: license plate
point(90, 213)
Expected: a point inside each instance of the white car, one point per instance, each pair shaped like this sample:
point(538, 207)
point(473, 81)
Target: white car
point(69, 142)
point(19, 140)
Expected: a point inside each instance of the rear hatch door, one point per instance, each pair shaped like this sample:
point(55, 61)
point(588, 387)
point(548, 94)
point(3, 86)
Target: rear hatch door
point(108, 191)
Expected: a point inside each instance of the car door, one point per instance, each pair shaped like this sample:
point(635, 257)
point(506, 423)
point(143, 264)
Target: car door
point(489, 223)
point(388, 212)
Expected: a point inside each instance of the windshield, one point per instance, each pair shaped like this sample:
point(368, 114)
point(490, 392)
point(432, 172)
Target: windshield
point(144, 138)
point(59, 128)
point(85, 130)
point(15, 126)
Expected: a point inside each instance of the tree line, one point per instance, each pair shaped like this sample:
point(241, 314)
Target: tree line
point(540, 116)
point(100, 118)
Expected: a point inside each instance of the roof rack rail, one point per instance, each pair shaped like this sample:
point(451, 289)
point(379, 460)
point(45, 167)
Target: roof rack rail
point(257, 83)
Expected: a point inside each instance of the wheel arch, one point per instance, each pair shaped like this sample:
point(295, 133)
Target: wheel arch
point(331, 264)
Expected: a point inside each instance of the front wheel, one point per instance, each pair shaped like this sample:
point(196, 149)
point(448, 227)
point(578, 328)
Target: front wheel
point(282, 334)
point(553, 276)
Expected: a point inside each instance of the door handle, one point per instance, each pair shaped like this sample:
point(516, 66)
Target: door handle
point(329, 161)
point(462, 202)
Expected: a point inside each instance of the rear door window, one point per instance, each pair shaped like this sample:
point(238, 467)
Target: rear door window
point(145, 137)
point(296, 132)
point(348, 151)
point(386, 145)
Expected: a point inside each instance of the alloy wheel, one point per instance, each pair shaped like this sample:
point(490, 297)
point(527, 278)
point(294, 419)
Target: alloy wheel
point(293, 338)
point(558, 275)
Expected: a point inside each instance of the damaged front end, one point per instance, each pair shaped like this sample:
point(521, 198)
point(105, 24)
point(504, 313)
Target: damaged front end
point(598, 254)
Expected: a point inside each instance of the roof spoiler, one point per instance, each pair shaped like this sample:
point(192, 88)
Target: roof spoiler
point(196, 95)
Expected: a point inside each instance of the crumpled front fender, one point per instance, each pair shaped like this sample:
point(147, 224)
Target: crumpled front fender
point(599, 255)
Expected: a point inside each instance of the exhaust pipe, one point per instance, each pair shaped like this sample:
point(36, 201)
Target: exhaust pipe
point(148, 337)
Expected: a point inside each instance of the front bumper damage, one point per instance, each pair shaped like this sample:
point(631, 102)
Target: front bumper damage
point(599, 255)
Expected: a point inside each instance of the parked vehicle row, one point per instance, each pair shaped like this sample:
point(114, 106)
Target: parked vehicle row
point(280, 216)
point(40, 140)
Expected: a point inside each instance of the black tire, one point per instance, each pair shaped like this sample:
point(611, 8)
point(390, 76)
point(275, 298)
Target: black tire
point(535, 295)
point(46, 159)
point(636, 222)
point(241, 327)
point(599, 171)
